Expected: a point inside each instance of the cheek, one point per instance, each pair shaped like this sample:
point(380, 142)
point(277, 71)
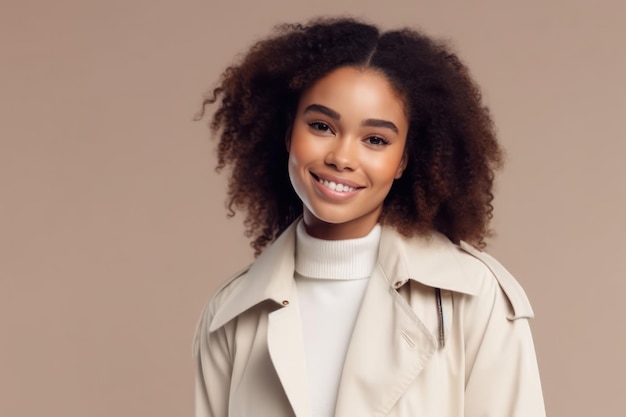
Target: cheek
point(299, 156)
point(301, 148)
point(387, 169)
point(293, 166)
point(298, 177)
point(295, 158)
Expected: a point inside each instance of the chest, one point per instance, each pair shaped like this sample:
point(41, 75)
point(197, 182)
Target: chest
point(395, 364)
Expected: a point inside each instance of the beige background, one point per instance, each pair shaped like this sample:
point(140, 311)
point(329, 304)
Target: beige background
point(112, 224)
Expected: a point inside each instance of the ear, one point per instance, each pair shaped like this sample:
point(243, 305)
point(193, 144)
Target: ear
point(402, 165)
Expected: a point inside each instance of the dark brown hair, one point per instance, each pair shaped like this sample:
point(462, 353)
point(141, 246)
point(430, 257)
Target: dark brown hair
point(451, 145)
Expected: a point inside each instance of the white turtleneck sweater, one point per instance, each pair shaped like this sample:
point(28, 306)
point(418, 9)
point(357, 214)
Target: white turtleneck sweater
point(331, 276)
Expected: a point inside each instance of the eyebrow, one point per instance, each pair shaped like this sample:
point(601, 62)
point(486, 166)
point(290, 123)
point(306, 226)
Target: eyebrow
point(380, 123)
point(324, 110)
point(336, 116)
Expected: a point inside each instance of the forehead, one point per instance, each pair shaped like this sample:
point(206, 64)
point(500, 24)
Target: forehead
point(362, 93)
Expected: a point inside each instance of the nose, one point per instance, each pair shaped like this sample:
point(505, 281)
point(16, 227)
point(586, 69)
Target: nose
point(342, 155)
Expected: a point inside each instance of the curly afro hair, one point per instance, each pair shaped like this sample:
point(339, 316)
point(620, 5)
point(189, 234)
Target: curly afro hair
point(451, 143)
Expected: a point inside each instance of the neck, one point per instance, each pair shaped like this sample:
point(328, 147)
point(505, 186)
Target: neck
point(339, 231)
point(336, 259)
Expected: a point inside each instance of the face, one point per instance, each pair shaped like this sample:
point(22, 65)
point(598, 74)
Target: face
point(346, 148)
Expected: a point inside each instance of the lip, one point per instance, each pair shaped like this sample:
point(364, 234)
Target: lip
point(336, 180)
point(331, 194)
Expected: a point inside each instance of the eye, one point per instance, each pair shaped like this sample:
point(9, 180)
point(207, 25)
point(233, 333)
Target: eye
point(376, 141)
point(321, 126)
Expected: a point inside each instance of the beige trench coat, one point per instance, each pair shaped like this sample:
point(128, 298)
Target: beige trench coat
point(442, 332)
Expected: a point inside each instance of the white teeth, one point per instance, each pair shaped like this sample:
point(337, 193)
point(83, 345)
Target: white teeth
point(335, 187)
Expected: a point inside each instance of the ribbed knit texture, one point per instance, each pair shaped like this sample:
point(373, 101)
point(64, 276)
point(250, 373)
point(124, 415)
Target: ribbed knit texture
point(331, 277)
point(336, 259)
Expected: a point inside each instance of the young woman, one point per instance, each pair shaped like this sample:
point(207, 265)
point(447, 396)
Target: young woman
point(364, 161)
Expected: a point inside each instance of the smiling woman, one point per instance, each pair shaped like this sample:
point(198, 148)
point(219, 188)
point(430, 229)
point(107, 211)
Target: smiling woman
point(346, 148)
point(364, 161)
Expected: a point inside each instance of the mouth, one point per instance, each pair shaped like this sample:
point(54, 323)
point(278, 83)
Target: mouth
point(335, 185)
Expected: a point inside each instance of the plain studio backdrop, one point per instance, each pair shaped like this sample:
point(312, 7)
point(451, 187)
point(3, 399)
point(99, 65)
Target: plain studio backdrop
point(113, 231)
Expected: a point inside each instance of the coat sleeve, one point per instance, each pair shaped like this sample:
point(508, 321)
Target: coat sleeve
point(213, 368)
point(502, 377)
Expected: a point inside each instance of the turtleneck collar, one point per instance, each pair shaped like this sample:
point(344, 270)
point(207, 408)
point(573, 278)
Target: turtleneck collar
point(336, 259)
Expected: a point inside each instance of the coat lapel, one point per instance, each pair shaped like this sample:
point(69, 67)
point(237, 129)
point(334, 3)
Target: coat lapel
point(393, 339)
point(388, 349)
point(286, 350)
point(270, 278)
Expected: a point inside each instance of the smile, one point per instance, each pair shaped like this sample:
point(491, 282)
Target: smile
point(342, 188)
point(336, 185)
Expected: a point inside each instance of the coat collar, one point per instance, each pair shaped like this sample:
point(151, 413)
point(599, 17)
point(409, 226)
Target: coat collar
point(430, 260)
point(269, 277)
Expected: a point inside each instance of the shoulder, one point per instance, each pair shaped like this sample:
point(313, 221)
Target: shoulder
point(496, 275)
point(269, 277)
point(434, 261)
point(214, 304)
point(224, 292)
